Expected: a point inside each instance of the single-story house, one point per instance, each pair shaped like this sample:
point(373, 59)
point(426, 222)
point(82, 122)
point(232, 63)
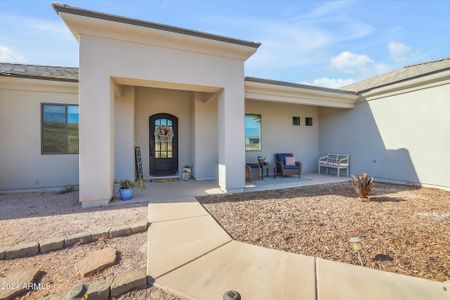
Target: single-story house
point(63, 126)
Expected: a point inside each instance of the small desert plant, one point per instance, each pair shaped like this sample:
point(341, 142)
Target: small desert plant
point(67, 189)
point(139, 183)
point(363, 185)
point(128, 184)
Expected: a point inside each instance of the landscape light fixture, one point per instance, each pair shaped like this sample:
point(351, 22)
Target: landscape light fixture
point(357, 246)
point(231, 295)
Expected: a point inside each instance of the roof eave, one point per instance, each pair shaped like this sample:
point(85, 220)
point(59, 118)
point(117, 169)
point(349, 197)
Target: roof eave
point(38, 84)
point(49, 78)
point(63, 8)
point(305, 95)
point(299, 86)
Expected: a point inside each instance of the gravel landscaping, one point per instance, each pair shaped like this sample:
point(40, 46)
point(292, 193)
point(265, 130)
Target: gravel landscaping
point(152, 293)
point(58, 269)
point(404, 229)
point(28, 217)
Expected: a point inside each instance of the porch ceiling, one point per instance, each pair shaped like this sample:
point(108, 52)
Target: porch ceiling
point(165, 85)
point(269, 90)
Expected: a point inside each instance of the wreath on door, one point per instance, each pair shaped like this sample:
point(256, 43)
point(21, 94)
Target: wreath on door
point(164, 134)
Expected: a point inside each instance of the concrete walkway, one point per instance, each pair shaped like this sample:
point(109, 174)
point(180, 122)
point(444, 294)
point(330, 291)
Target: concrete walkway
point(191, 255)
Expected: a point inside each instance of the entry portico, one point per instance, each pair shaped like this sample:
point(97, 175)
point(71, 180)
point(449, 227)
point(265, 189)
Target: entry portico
point(118, 52)
point(136, 76)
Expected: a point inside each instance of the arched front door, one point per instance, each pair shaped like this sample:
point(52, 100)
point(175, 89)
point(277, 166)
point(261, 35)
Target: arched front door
point(163, 144)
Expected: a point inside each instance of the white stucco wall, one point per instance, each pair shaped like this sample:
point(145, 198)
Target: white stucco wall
point(403, 137)
point(124, 97)
point(205, 143)
point(150, 101)
point(104, 60)
point(22, 166)
point(280, 136)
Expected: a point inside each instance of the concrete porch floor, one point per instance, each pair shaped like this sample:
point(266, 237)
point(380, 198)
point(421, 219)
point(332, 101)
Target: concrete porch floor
point(182, 190)
point(270, 183)
point(171, 191)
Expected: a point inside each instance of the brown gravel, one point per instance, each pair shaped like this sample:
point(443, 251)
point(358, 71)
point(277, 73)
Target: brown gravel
point(26, 217)
point(404, 229)
point(59, 271)
point(152, 293)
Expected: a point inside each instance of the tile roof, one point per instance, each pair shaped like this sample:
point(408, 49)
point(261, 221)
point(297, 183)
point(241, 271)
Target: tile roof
point(399, 75)
point(39, 72)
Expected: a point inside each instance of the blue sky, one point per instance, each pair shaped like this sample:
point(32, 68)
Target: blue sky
point(329, 43)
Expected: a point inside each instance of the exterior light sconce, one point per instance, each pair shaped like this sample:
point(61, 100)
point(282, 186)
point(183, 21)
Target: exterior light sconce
point(357, 246)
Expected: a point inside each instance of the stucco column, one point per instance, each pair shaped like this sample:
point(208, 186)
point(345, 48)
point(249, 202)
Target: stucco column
point(231, 138)
point(96, 131)
point(124, 133)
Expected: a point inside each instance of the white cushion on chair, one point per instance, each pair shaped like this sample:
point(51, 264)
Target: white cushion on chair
point(290, 161)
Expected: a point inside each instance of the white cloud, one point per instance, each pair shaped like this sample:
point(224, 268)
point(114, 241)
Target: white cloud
point(357, 64)
point(293, 42)
point(286, 45)
point(36, 25)
point(39, 40)
point(290, 44)
point(332, 82)
point(399, 52)
point(326, 9)
point(7, 55)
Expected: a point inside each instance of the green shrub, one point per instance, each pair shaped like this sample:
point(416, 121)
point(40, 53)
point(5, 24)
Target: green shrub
point(128, 184)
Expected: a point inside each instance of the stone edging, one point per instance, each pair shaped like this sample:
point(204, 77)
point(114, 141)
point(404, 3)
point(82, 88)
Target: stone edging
point(45, 246)
point(108, 288)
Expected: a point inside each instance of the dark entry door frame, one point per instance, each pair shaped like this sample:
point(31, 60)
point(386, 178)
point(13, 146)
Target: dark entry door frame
point(163, 156)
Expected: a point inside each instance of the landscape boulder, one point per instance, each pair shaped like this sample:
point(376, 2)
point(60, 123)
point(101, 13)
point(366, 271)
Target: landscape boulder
point(96, 260)
point(17, 282)
point(128, 281)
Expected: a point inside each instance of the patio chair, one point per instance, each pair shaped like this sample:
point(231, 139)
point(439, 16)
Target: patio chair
point(285, 170)
point(252, 171)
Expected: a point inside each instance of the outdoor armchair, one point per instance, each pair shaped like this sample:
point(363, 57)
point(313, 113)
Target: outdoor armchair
point(283, 169)
point(252, 171)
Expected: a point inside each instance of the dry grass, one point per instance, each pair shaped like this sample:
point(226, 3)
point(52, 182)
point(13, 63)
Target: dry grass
point(58, 267)
point(26, 217)
point(404, 229)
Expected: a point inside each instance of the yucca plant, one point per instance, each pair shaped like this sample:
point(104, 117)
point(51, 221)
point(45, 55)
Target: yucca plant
point(363, 186)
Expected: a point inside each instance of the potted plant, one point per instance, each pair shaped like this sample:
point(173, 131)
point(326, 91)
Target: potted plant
point(126, 188)
point(187, 171)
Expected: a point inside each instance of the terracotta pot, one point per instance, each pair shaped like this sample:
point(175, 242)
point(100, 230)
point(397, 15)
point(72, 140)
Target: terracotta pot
point(364, 199)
